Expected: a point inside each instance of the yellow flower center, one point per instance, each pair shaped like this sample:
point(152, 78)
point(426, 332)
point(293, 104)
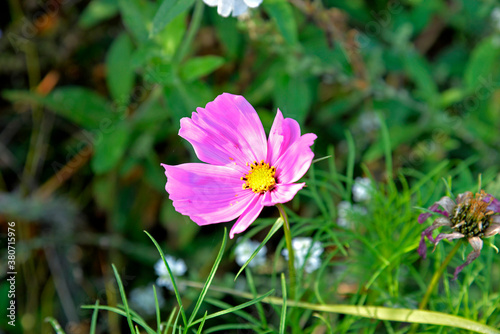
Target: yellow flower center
point(260, 177)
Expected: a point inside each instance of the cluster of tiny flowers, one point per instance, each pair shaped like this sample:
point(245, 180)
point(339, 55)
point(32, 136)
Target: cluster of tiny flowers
point(143, 299)
point(307, 254)
point(244, 249)
point(346, 211)
point(362, 189)
point(177, 266)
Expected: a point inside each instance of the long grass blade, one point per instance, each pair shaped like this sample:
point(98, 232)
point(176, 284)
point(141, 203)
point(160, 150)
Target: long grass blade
point(176, 290)
point(124, 298)
point(93, 323)
point(208, 281)
point(277, 225)
point(283, 307)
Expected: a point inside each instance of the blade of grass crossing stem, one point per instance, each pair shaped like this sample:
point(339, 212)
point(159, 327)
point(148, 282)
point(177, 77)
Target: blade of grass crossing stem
point(55, 325)
point(157, 307)
point(235, 308)
point(116, 310)
point(240, 313)
point(176, 291)
point(170, 319)
point(202, 323)
point(93, 323)
point(327, 324)
point(253, 290)
point(209, 280)
point(124, 298)
point(283, 307)
point(351, 156)
point(277, 225)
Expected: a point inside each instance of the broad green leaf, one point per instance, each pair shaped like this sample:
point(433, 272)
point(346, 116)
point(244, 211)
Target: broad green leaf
point(418, 70)
point(119, 72)
point(282, 13)
point(168, 10)
point(134, 17)
point(197, 67)
point(483, 64)
point(109, 148)
point(79, 105)
point(97, 11)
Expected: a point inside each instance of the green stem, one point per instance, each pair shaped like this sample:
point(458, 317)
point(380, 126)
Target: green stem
point(435, 281)
point(437, 276)
point(191, 32)
point(291, 256)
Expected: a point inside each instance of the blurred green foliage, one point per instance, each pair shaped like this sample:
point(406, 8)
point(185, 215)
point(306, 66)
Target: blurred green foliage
point(404, 92)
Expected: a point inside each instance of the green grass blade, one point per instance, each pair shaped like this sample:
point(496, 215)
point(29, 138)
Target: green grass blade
point(170, 319)
point(277, 225)
point(157, 307)
point(176, 291)
point(202, 323)
point(138, 320)
point(283, 308)
point(93, 324)
point(55, 325)
point(253, 290)
point(209, 280)
point(124, 298)
point(351, 157)
point(235, 308)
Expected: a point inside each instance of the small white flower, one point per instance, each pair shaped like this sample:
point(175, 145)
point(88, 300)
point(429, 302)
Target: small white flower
point(368, 122)
point(361, 189)
point(143, 299)
point(306, 253)
point(345, 211)
point(237, 7)
point(177, 266)
point(243, 251)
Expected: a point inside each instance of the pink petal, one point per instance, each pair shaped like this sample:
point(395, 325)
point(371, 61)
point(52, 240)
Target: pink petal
point(207, 194)
point(434, 208)
point(284, 132)
point(281, 193)
point(295, 161)
point(227, 132)
point(477, 245)
point(251, 213)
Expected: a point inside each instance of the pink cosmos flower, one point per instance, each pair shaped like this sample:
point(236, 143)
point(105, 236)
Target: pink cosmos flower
point(243, 172)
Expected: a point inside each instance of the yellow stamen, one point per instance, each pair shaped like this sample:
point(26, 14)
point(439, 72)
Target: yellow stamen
point(260, 178)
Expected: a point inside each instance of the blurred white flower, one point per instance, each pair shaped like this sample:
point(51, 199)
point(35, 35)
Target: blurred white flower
point(237, 7)
point(345, 211)
point(368, 122)
point(495, 17)
point(143, 299)
point(361, 189)
point(177, 266)
point(244, 249)
point(306, 253)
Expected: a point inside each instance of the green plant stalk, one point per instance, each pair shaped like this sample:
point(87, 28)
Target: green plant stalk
point(371, 312)
point(437, 276)
point(191, 32)
point(291, 256)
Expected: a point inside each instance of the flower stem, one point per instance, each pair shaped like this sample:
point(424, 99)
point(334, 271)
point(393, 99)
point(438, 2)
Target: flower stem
point(435, 280)
point(291, 256)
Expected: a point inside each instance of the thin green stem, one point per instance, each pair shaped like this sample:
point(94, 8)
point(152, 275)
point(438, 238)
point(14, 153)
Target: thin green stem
point(291, 256)
point(437, 276)
point(434, 282)
point(191, 32)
